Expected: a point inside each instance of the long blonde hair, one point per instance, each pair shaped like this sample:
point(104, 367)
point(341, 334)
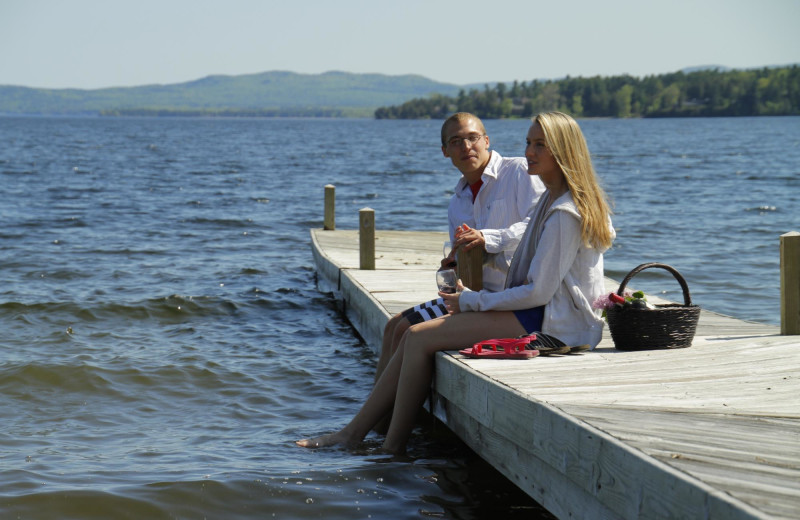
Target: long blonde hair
point(565, 140)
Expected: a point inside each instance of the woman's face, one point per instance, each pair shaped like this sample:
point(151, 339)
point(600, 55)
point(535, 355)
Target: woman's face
point(540, 160)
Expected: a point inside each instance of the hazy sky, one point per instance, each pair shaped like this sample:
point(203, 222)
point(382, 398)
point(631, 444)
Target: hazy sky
point(103, 43)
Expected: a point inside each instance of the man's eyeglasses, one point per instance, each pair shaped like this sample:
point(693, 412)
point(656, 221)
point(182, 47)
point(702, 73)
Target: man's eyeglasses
point(459, 141)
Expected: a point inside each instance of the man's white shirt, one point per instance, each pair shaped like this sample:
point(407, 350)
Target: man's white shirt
point(500, 212)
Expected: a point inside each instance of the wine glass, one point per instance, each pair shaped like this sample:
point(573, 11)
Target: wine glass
point(446, 280)
point(447, 248)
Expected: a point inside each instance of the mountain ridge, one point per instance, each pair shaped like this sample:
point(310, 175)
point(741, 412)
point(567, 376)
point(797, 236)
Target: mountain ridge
point(271, 93)
point(265, 91)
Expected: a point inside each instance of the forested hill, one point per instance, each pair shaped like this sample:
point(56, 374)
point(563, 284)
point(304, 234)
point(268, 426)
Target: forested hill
point(275, 93)
point(767, 91)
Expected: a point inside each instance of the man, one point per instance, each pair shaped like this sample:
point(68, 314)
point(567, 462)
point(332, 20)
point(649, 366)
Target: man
point(488, 209)
point(492, 198)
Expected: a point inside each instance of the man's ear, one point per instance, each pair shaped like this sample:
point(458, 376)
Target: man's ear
point(444, 151)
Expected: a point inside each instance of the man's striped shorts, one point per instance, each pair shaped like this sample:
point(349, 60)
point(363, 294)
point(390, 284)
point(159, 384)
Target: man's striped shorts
point(425, 311)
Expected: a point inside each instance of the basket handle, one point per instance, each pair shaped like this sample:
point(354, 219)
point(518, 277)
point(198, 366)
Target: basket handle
point(687, 298)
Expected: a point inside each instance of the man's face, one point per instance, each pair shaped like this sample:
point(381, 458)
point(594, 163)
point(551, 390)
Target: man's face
point(467, 146)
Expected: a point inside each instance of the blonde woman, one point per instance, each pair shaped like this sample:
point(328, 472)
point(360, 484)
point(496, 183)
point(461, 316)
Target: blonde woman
point(555, 275)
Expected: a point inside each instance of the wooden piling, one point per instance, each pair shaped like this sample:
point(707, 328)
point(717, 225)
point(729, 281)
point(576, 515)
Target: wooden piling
point(470, 267)
point(330, 207)
point(790, 283)
point(366, 239)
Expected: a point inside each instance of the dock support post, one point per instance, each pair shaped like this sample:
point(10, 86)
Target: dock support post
point(366, 239)
point(470, 267)
point(790, 283)
point(330, 207)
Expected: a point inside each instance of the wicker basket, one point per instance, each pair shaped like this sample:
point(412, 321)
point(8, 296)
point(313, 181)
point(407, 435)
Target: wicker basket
point(666, 326)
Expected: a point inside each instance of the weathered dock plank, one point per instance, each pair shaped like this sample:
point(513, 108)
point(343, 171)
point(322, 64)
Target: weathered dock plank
point(712, 431)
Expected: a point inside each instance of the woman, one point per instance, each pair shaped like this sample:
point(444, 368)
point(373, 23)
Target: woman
point(555, 275)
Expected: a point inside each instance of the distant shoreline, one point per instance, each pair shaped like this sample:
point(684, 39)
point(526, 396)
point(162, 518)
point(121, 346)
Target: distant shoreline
point(702, 93)
point(191, 115)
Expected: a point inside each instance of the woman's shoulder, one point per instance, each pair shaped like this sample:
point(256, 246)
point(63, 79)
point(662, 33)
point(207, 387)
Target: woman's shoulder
point(566, 204)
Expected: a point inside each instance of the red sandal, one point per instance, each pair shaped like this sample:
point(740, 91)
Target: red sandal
point(506, 348)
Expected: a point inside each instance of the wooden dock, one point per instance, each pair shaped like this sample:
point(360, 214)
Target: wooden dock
point(712, 431)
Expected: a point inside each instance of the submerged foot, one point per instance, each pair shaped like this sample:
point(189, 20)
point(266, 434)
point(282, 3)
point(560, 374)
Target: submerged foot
point(331, 439)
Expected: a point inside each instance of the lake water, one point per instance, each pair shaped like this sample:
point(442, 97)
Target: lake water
point(164, 341)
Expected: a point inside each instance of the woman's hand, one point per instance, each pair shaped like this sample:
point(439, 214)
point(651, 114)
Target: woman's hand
point(451, 299)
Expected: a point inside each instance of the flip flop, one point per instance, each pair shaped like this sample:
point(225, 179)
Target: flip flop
point(552, 351)
point(548, 345)
point(579, 348)
point(507, 348)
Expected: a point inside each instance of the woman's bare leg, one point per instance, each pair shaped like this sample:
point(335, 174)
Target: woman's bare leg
point(392, 333)
point(378, 404)
point(405, 381)
point(418, 347)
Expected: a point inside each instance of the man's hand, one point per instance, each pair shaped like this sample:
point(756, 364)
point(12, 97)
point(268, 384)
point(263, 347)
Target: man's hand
point(448, 263)
point(468, 238)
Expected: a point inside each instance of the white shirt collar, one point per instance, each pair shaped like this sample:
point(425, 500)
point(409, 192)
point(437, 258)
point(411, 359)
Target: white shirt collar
point(489, 171)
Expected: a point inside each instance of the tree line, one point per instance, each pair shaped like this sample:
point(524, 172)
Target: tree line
point(705, 93)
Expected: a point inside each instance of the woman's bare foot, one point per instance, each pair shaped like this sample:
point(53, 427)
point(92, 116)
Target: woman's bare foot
point(394, 449)
point(331, 439)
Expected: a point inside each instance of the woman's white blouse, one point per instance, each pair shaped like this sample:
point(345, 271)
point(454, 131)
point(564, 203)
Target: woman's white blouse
point(564, 274)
